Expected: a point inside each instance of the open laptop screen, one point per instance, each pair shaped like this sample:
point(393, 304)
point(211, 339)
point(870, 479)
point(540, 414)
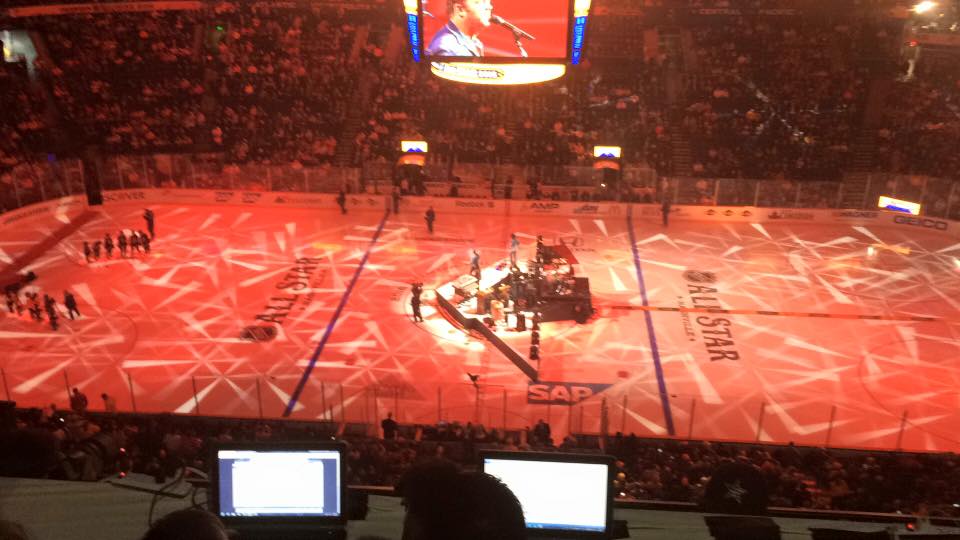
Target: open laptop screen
point(278, 483)
point(559, 493)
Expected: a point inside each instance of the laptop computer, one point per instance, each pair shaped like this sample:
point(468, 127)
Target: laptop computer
point(563, 495)
point(281, 490)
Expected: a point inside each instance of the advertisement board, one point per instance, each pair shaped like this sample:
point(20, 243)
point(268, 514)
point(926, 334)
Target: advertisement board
point(240, 198)
point(491, 207)
point(558, 208)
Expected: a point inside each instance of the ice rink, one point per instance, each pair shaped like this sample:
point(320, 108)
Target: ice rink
point(842, 335)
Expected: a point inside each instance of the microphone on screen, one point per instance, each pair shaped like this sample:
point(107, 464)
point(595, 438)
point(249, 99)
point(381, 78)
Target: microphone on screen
point(512, 27)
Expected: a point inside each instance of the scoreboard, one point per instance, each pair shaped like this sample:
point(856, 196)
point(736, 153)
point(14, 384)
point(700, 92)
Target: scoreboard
point(497, 41)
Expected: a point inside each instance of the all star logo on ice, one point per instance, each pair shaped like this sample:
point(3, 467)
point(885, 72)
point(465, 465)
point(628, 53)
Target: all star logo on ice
point(715, 332)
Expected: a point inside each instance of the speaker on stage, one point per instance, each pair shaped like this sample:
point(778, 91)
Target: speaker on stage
point(742, 528)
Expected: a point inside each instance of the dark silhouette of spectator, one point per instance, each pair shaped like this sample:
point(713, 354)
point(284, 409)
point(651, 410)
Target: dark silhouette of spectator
point(149, 218)
point(395, 197)
point(443, 503)
point(122, 243)
point(35, 309)
point(78, 401)
point(430, 216)
point(475, 264)
point(541, 433)
point(389, 426)
point(70, 302)
point(50, 305)
point(189, 524)
point(108, 245)
point(109, 403)
point(417, 290)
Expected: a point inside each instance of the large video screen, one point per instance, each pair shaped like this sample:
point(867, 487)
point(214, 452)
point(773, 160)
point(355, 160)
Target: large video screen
point(471, 30)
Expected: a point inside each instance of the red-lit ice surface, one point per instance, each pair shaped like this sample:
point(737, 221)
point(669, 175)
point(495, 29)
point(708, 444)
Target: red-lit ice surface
point(839, 334)
point(845, 335)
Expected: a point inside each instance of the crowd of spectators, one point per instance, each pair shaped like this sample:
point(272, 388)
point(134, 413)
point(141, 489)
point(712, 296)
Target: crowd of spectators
point(920, 130)
point(129, 81)
point(777, 97)
point(554, 124)
point(276, 84)
point(284, 82)
point(264, 83)
point(79, 445)
point(23, 127)
point(796, 477)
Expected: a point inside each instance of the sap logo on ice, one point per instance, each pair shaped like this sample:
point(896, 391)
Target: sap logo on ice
point(222, 196)
point(926, 223)
point(559, 393)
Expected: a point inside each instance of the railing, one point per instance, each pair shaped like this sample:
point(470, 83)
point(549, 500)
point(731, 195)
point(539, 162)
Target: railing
point(777, 418)
point(31, 183)
point(211, 171)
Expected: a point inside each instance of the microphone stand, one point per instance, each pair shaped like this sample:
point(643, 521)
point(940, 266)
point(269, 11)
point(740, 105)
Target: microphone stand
point(516, 39)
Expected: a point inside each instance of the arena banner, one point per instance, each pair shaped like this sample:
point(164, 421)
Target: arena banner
point(113, 7)
point(360, 201)
point(567, 208)
point(851, 215)
point(752, 214)
point(451, 206)
point(472, 191)
point(238, 197)
point(493, 207)
point(123, 196)
point(62, 209)
point(920, 222)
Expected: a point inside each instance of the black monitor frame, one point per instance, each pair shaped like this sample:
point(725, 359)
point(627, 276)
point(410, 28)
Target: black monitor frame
point(600, 459)
point(279, 522)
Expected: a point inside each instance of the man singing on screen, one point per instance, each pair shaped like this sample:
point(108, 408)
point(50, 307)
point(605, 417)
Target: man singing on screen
point(459, 36)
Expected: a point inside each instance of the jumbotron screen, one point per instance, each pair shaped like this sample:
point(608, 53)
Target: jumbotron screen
point(495, 30)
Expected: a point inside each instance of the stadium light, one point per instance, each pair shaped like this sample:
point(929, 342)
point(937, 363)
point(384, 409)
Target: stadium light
point(924, 6)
